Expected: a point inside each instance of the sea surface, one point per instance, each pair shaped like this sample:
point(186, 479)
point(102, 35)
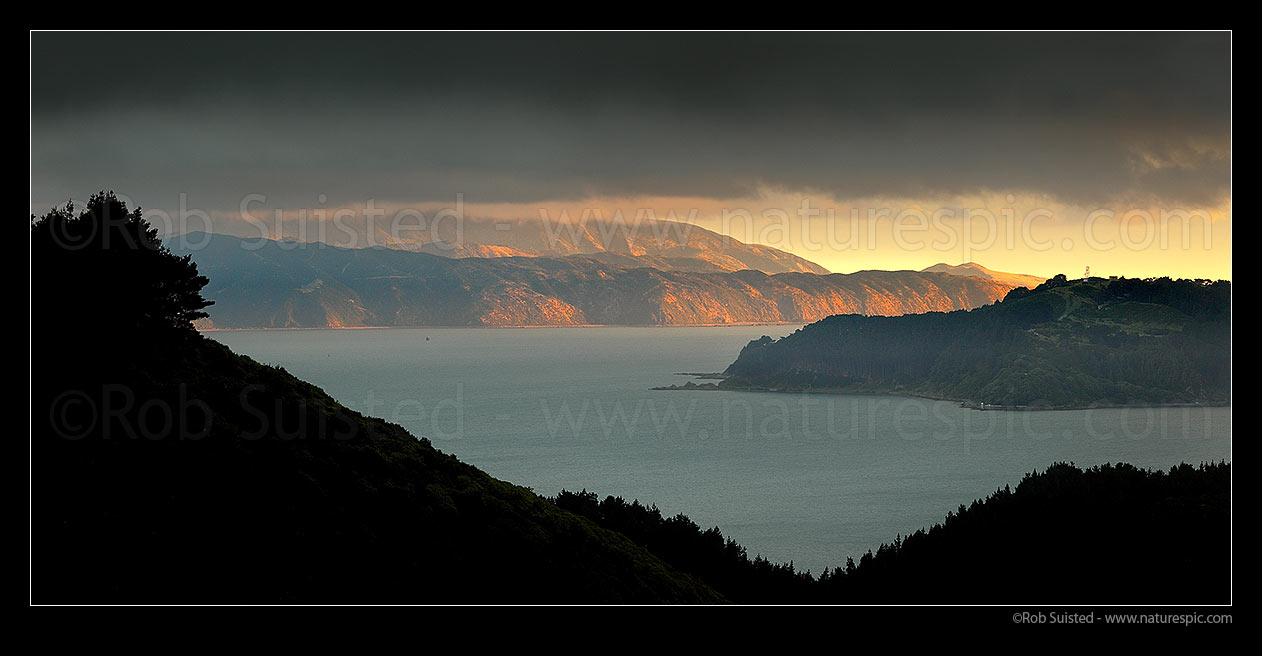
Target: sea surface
point(810, 479)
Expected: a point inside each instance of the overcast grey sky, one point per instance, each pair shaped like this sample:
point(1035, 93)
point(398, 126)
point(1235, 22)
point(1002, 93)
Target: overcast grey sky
point(539, 117)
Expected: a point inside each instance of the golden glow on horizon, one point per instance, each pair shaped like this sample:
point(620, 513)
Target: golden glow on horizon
point(1020, 233)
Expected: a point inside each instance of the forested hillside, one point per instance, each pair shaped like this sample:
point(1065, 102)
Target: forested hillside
point(1081, 343)
point(1113, 534)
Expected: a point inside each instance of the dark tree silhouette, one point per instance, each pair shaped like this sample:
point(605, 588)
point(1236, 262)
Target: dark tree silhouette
point(104, 271)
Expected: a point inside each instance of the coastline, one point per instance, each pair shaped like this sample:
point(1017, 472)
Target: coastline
point(962, 402)
point(737, 324)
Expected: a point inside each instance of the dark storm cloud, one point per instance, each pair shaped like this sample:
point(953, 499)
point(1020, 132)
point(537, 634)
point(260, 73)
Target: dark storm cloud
point(537, 117)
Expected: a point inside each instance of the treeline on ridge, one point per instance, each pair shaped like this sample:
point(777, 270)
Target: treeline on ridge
point(1105, 534)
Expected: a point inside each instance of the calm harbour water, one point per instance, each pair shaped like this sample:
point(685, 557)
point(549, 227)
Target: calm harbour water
point(807, 478)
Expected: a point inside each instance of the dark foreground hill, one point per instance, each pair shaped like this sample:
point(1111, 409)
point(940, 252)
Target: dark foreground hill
point(1113, 534)
point(1080, 343)
point(167, 469)
point(269, 284)
point(216, 479)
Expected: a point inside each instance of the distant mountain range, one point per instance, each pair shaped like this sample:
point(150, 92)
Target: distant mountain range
point(1065, 344)
point(661, 244)
point(259, 283)
point(974, 270)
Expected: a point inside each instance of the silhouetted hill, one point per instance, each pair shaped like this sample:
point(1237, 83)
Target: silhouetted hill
point(266, 491)
point(1080, 343)
point(166, 469)
point(268, 284)
point(1113, 534)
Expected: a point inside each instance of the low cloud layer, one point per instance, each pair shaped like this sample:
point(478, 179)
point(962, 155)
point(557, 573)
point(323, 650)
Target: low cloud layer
point(535, 118)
